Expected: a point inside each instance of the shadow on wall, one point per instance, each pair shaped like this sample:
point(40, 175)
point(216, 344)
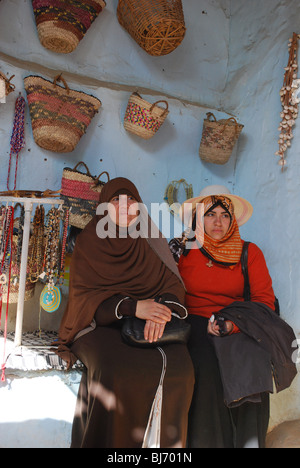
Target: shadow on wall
point(42, 433)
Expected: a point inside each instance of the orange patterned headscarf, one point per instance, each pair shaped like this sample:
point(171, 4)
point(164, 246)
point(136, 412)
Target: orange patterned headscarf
point(228, 250)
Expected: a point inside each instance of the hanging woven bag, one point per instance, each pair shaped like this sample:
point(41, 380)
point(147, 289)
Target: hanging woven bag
point(59, 115)
point(80, 192)
point(218, 139)
point(156, 25)
point(143, 118)
point(62, 24)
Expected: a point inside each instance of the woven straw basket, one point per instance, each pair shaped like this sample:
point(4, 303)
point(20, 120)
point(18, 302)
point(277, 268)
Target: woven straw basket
point(143, 118)
point(59, 115)
point(218, 139)
point(81, 191)
point(156, 25)
point(62, 24)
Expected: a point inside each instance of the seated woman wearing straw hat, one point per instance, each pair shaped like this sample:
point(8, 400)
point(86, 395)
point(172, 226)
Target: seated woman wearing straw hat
point(230, 406)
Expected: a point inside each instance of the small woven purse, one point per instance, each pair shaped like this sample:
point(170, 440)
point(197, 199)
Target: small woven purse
point(218, 139)
point(143, 118)
point(59, 115)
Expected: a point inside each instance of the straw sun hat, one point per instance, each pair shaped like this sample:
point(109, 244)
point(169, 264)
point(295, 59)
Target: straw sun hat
point(242, 208)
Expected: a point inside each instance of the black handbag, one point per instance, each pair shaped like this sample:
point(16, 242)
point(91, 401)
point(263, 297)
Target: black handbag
point(176, 331)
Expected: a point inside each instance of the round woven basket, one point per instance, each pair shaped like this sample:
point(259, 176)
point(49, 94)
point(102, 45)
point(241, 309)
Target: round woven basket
point(59, 115)
point(143, 118)
point(156, 25)
point(218, 139)
point(61, 24)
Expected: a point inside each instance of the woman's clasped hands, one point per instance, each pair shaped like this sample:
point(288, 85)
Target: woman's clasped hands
point(156, 316)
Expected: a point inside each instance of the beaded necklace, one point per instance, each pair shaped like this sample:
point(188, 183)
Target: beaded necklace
point(17, 141)
point(6, 243)
point(35, 262)
point(52, 243)
point(51, 296)
point(20, 235)
point(61, 275)
point(5, 268)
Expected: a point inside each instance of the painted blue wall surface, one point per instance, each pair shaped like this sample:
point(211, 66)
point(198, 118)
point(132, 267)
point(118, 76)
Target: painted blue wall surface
point(231, 62)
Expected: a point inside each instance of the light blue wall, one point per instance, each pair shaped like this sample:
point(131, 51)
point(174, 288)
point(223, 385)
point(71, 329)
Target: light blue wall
point(259, 37)
point(109, 64)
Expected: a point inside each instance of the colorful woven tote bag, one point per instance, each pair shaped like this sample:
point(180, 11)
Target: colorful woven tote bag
point(62, 24)
point(59, 115)
point(143, 118)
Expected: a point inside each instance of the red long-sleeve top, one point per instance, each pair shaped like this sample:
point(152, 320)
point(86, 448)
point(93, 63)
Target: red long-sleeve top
point(210, 289)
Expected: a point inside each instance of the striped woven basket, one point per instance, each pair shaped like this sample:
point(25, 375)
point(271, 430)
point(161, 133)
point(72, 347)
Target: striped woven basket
point(156, 25)
point(59, 115)
point(143, 118)
point(81, 191)
point(62, 24)
point(218, 139)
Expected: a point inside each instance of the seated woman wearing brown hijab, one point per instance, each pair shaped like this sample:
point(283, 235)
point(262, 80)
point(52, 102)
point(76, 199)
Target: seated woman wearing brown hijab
point(110, 278)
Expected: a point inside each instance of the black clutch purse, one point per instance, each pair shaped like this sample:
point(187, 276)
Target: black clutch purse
point(176, 331)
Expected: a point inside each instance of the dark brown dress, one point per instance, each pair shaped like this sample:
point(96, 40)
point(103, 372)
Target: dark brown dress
point(120, 382)
point(118, 389)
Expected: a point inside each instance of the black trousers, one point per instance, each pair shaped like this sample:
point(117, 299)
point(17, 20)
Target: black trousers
point(211, 423)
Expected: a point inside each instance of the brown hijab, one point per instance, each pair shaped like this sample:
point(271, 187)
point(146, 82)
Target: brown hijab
point(101, 268)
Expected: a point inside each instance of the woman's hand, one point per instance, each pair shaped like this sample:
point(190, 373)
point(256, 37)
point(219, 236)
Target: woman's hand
point(156, 316)
point(153, 331)
point(154, 311)
point(214, 329)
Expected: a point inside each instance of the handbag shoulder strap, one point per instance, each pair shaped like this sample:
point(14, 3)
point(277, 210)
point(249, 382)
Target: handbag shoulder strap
point(244, 263)
point(247, 290)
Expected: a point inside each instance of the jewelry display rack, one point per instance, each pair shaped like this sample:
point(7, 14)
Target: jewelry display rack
point(28, 208)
